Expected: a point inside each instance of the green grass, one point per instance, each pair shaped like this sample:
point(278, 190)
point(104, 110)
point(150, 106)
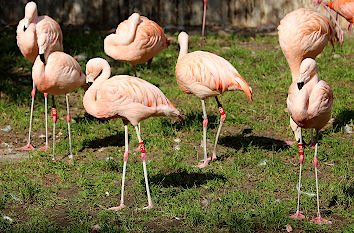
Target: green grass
point(234, 194)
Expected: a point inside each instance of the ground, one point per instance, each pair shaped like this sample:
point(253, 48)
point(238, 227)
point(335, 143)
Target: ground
point(250, 188)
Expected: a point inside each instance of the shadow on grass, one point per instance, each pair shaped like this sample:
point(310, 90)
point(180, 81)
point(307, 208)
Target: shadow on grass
point(242, 141)
point(184, 179)
point(343, 118)
point(112, 140)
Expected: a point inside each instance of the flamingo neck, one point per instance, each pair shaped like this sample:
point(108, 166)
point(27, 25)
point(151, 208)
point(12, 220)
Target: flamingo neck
point(183, 49)
point(123, 37)
point(90, 99)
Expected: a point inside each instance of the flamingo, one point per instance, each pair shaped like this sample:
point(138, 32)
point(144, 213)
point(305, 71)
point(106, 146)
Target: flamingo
point(309, 103)
point(126, 97)
point(58, 73)
point(345, 8)
point(304, 33)
point(203, 25)
point(35, 35)
point(136, 40)
point(207, 75)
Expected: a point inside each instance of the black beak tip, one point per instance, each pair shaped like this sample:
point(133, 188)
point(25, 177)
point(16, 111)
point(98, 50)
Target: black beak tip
point(88, 84)
point(41, 56)
point(24, 28)
point(300, 85)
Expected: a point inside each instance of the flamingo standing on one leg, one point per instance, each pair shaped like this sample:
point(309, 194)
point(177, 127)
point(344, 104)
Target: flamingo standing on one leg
point(136, 40)
point(203, 26)
point(309, 103)
point(304, 33)
point(207, 75)
point(345, 8)
point(126, 97)
point(37, 33)
point(58, 73)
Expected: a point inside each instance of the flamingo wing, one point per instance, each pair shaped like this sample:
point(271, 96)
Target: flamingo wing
point(151, 35)
point(321, 99)
point(199, 72)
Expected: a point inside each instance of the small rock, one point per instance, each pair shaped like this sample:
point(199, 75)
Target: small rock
point(263, 162)
point(177, 147)
point(222, 33)
point(253, 53)
point(205, 202)
point(289, 228)
point(177, 218)
point(109, 158)
point(107, 194)
point(348, 129)
point(335, 56)
point(42, 136)
point(6, 129)
point(8, 218)
point(95, 228)
point(177, 140)
point(277, 200)
point(80, 57)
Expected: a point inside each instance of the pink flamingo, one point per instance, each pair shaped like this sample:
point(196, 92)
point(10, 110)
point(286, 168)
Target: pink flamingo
point(207, 75)
point(309, 103)
point(37, 35)
point(126, 97)
point(136, 40)
point(304, 33)
point(58, 73)
point(345, 8)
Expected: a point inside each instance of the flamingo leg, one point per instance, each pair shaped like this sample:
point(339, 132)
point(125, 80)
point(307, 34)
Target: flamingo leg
point(29, 146)
point(143, 158)
point(46, 147)
point(126, 155)
point(149, 63)
point(318, 220)
point(54, 112)
point(301, 159)
point(312, 142)
point(68, 118)
point(203, 26)
point(134, 66)
point(205, 124)
point(222, 119)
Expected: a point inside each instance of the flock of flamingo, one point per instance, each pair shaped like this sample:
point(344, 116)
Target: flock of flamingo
point(303, 34)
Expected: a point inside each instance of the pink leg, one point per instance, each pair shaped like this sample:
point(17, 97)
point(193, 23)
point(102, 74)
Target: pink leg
point(222, 119)
point(301, 159)
point(203, 26)
point(149, 63)
point(29, 146)
point(349, 27)
point(205, 124)
point(69, 133)
point(143, 158)
point(126, 155)
point(54, 111)
point(318, 220)
point(46, 147)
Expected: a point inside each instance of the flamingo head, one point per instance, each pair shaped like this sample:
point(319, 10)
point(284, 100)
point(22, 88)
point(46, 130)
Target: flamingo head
point(308, 69)
point(30, 13)
point(94, 69)
point(182, 38)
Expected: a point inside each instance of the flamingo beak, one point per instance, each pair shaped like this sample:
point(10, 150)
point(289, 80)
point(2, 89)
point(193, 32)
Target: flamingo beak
point(300, 85)
point(41, 56)
point(26, 24)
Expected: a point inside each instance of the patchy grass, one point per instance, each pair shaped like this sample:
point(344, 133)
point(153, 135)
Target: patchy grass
point(235, 193)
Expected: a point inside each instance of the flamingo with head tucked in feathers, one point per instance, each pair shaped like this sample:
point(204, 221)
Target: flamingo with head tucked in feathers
point(205, 75)
point(136, 40)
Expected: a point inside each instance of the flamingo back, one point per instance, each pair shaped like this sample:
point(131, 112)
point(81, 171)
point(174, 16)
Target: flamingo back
point(49, 29)
point(205, 75)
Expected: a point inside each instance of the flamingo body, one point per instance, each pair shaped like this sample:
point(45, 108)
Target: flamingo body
point(126, 97)
point(343, 7)
point(304, 33)
point(60, 75)
point(146, 40)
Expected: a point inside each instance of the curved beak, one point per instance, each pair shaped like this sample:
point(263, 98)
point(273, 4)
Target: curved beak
point(26, 24)
point(300, 85)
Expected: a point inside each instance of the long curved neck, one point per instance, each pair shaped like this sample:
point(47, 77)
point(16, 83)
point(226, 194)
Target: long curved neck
point(123, 37)
point(294, 64)
point(90, 102)
point(183, 48)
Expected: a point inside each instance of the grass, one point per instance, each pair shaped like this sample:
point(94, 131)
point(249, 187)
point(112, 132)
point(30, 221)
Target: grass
point(234, 194)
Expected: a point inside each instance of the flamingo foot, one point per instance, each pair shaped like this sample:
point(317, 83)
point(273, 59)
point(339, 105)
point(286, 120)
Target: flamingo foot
point(121, 206)
point(44, 148)
point(289, 143)
point(297, 215)
point(214, 157)
point(311, 145)
point(148, 207)
point(26, 147)
point(70, 162)
point(204, 164)
point(320, 221)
